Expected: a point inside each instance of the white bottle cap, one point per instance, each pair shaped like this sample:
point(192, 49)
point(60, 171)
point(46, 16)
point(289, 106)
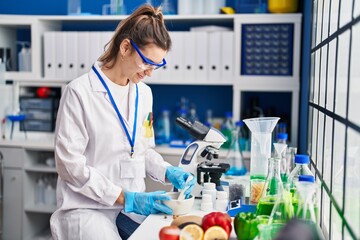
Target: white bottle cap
point(209, 185)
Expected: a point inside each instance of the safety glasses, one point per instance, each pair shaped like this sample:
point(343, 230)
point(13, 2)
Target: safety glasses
point(147, 63)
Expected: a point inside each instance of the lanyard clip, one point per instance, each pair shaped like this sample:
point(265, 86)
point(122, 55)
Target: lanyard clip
point(132, 152)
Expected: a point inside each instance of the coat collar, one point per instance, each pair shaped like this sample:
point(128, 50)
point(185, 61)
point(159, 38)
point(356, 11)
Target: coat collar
point(97, 86)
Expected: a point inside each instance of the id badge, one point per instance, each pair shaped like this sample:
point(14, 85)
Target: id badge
point(133, 167)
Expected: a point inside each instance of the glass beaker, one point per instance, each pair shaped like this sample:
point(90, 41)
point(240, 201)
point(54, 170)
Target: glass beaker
point(261, 130)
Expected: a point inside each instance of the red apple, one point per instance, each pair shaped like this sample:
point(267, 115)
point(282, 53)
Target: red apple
point(169, 233)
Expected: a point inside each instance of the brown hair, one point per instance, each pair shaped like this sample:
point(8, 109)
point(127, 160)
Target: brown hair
point(144, 26)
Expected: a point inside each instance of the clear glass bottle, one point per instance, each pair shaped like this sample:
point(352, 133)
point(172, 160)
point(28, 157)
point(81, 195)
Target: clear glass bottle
point(193, 115)
point(181, 134)
point(234, 156)
point(209, 118)
point(301, 168)
point(40, 191)
point(168, 7)
point(74, 7)
point(162, 133)
point(227, 129)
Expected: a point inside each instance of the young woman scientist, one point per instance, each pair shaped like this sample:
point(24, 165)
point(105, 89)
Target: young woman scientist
point(104, 141)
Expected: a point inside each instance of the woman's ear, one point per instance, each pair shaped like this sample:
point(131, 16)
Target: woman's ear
point(125, 47)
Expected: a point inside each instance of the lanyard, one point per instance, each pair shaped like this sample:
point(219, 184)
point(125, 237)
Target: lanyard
point(131, 140)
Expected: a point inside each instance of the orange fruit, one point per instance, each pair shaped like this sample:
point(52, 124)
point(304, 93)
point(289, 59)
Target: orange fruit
point(192, 232)
point(215, 233)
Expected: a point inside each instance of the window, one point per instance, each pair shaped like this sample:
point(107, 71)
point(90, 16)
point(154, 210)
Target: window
point(334, 115)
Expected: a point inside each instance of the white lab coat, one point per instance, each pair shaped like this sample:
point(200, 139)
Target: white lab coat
point(92, 156)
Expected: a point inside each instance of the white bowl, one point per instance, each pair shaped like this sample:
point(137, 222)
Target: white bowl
point(179, 207)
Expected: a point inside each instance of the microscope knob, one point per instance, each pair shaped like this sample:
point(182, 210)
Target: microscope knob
point(209, 156)
point(216, 155)
point(204, 153)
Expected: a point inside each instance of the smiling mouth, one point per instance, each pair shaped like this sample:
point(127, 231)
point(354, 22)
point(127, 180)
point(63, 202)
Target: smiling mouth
point(141, 76)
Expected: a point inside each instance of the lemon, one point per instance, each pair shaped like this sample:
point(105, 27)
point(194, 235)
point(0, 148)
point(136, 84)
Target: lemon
point(215, 233)
point(192, 232)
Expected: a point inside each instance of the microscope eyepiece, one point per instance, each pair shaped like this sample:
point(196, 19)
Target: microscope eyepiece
point(196, 129)
point(184, 123)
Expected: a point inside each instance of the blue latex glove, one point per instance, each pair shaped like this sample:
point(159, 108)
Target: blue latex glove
point(146, 203)
point(177, 176)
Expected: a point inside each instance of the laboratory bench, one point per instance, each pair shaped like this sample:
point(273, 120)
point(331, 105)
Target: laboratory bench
point(24, 163)
point(152, 225)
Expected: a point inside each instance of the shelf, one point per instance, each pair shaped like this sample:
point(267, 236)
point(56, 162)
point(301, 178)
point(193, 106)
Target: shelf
point(40, 208)
point(40, 168)
point(121, 17)
point(201, 83)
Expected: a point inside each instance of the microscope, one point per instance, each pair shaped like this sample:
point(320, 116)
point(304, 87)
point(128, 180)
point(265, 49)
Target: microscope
point(207, 144)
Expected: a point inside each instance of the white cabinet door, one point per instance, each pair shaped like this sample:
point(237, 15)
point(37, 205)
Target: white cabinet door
point(12, 218)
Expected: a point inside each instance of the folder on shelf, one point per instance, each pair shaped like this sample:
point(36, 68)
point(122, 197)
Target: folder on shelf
point(105, 38)
point(71, 43)
point(163, 74)
point(189, 56)
point(84, 63)
point(227, 56)
point(96, 48)
point(177, 61)
point(60, 55)
point(49, 55)
point(201, 56)
point(214, 49)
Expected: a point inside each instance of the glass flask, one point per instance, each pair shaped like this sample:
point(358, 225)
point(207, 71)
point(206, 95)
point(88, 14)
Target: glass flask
point(234, 156)
point(261, 130)
point(301, 168)
point(283, 210)
point(277, 201)
point(227, 129)
point(304, 201)
point(272, 188)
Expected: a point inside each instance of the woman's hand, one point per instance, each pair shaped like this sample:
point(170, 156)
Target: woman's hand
point(177, 176)
point(146, 203)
